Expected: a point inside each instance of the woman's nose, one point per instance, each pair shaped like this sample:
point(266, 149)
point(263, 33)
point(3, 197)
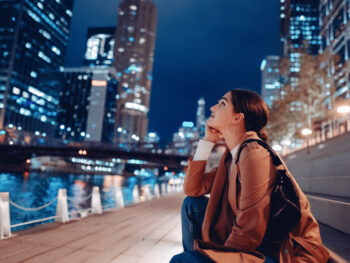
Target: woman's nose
point(212, 108)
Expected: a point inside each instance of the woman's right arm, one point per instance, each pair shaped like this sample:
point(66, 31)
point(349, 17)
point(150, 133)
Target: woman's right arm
point(197, 182)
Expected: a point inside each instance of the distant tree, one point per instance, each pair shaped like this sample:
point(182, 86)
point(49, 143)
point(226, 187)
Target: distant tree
point(303, 103)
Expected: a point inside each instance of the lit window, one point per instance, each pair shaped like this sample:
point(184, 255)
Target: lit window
point(45, 34)
point(52, 16)
point(28, 45)
point(283, 16)
point(56, 50)
point(40, 5)
point(121, 13)
point(33, 74)
point(142, 40)
point(44, 57)
point(121, 50)
point(133, 7)
point(16, 91)
point(43, 118)
point(69, 12)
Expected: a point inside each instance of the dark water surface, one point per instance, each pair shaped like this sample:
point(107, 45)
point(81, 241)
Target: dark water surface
point(32, 190)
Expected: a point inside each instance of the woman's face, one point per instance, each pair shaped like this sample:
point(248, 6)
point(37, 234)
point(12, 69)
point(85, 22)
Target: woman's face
point(222, 113)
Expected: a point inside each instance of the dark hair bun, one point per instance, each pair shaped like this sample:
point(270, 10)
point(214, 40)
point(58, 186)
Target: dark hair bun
point(262, 135)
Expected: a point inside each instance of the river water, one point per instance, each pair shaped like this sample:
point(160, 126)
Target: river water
point(31, 190)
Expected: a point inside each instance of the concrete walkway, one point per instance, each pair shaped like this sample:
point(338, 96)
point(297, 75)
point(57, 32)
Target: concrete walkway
point(147, 232)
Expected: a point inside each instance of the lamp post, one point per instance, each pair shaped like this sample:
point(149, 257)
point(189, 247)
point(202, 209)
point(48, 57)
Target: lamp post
point(307, 132)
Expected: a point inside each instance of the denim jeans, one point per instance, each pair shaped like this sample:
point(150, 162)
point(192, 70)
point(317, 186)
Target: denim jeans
point(192, 216)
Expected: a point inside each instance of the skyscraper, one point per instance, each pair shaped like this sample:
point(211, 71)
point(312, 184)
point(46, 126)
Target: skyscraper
point(99, 46)
point(34, 38)
point(87, 104)
point(270, 76)
point(335, 33)
point(201, 120)
point(133, 54)
point(299, 32)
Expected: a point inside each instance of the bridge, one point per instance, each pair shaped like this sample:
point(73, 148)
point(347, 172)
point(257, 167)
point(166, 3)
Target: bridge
point(18, 154)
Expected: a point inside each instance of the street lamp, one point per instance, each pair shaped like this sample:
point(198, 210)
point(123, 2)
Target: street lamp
point(307, 132)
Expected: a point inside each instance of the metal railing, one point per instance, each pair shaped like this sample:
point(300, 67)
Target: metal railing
point(62, 213)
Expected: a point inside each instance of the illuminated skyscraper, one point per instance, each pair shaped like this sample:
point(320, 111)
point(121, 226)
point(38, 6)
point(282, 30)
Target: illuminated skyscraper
point(335, 33)
point(133, 54)
point(99, 46)
point(87, 104)
point(270, 76)
point(299, 24)
point(201, 120)
point(34, 38)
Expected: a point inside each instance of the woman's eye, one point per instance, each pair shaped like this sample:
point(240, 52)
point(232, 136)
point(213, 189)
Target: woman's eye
point(222, 103)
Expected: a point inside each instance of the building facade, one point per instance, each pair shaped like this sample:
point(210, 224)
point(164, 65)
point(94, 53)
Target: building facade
point(299, 32)
point(133, 62)
point(34, 38)
point(201, 120)
point(99, 46)
point(270, 76)
point(335, 33)
point(87, 105)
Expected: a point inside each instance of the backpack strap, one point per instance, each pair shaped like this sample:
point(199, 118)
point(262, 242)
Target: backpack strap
point(275, 157)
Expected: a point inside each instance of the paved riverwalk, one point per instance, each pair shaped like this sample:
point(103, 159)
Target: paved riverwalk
point(146, 232)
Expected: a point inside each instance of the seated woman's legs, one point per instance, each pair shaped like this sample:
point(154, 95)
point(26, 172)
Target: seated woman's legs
point(192, 216)
point(190, 257)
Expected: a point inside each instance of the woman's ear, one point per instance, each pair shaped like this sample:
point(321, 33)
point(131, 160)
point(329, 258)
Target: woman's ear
point(238, 117)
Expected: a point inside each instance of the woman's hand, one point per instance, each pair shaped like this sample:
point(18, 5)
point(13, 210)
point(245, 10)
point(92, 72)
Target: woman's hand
point(211, 134)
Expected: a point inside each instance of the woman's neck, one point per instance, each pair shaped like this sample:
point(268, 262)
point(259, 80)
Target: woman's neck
point(234, 137)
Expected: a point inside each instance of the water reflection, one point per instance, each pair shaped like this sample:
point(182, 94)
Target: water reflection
point(36, 189)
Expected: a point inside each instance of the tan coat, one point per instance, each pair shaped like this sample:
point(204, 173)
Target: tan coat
point(238, 210)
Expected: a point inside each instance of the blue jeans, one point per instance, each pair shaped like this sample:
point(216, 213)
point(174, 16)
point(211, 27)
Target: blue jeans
point(192, 216)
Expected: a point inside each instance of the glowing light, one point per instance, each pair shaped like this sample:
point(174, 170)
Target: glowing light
point(134, 106)
point(306, 131)
point(263, 64)
point(188, 124)
point(99, 83)
point(343, 109)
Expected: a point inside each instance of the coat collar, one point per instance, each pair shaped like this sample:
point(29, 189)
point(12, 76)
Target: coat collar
point(246, 136)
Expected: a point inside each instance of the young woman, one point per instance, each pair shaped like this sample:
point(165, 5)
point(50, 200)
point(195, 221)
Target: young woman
point(230, 225)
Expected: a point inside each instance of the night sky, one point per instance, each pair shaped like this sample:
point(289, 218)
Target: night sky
point(204, 48)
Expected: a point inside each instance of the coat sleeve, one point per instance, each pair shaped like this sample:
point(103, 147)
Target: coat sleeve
point(197, 181)
point(257, 176)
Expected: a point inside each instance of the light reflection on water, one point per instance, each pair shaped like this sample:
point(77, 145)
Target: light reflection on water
point(36, 189)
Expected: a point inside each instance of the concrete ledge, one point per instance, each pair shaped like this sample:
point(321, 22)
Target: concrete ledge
point(330, 212)
point(330, 185)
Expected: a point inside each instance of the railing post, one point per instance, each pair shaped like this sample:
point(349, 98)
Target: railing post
point(96, 207)
point(148, 194)
point(119, 198)
point(169, 189)
point(156, 190)
point(5, 228)
point(164, 189)
point(62, 207)
point(136, 195)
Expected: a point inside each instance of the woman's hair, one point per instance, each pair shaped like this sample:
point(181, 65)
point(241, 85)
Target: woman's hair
point(255, 110)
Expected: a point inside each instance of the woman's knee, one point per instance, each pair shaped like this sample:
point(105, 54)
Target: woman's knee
point(175, 259)
point(199, 201)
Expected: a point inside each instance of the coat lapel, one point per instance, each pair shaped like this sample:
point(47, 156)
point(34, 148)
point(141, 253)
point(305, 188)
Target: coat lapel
point(217, 189)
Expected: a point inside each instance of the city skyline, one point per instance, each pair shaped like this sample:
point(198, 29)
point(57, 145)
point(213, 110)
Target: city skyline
point(186, 42)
